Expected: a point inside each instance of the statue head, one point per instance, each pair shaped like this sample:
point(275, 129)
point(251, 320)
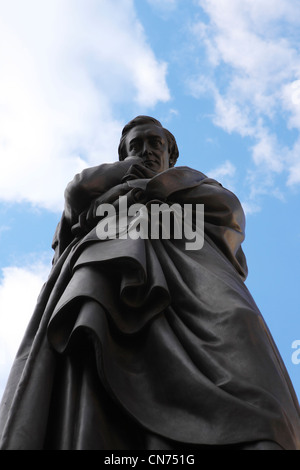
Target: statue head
point(142, 124)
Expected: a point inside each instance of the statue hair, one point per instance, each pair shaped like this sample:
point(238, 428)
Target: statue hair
point(140, 121)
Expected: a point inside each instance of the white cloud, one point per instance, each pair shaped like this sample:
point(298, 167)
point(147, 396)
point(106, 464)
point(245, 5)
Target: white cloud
point(64, 66)
point(230, 117)
point(294, 165)
point(291, 102)
point(250, 208)
point(266, 153)
point(294, 174)
point(224, 174)
point(253, 75)
point(19, 289)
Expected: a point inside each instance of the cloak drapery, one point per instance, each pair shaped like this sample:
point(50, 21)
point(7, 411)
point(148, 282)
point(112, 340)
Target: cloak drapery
point(140, 341)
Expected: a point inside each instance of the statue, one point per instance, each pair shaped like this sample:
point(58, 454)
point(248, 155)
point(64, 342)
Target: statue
point(147, 342)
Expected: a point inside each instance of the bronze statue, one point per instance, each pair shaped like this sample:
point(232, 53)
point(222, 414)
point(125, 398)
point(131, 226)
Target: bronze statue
point(140, 343)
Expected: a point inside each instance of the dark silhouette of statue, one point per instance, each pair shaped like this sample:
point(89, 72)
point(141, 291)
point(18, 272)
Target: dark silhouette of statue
point(140, 343)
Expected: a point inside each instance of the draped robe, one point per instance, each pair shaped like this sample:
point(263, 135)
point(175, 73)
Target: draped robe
point(136, 341)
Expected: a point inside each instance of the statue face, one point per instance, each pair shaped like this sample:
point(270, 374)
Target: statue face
point(149, 143)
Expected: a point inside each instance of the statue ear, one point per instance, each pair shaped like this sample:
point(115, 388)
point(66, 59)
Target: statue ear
point(171, 161)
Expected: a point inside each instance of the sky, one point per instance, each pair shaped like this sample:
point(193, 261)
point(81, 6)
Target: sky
point(222, 75)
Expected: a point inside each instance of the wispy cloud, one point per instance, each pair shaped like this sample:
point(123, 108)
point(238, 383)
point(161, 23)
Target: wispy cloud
point(19, 289)
point(64, 65)
point(252, 73)
point(164, 5)
point(3, 229)
point(225, 174)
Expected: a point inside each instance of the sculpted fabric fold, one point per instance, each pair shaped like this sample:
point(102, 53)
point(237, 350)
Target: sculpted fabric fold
point(135, 338)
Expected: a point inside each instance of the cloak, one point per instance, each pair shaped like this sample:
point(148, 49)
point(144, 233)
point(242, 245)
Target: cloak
point(137, 343)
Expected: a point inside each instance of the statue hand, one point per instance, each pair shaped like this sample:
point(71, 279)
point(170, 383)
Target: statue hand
point(109, 197)
point(139, 171)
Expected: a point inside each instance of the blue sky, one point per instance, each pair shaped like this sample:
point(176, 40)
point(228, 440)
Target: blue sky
point(222, 75)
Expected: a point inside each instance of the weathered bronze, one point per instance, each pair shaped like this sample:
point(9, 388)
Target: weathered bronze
point(140, 343)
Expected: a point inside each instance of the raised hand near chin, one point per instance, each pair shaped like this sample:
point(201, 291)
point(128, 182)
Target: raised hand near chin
point(138, 170)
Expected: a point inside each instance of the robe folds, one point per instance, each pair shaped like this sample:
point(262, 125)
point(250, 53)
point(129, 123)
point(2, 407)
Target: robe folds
point(134, 340)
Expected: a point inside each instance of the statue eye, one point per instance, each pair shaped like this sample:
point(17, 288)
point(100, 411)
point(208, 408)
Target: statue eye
point(156, 143)
point(134, 146)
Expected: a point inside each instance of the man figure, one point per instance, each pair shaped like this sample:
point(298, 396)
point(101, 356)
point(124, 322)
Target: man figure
point(139, 343)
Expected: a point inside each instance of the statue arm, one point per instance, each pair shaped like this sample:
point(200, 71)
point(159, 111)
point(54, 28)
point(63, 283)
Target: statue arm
point(224, 219)
point(90, 184)
point(79, 194)
point(223, 213)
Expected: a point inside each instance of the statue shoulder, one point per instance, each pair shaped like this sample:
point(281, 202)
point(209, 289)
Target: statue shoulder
point(189, 171)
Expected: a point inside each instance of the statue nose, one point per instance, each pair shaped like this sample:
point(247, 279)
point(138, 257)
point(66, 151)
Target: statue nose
point(146, 150)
